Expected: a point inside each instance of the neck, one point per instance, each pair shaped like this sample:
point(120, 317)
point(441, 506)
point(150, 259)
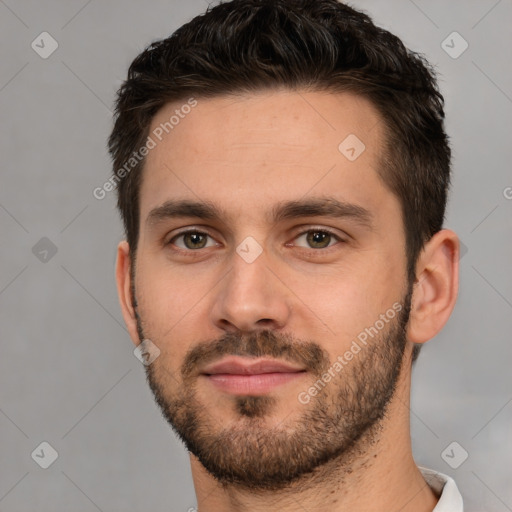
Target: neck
point(381, 475)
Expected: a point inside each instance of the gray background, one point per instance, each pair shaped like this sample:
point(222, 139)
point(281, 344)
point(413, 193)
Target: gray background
point(68, 375)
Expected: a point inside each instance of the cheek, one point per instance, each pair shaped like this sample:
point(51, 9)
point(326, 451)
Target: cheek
point(168, 304)
point(347, 299)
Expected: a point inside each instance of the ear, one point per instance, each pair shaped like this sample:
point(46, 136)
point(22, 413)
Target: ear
point(436, 286)
point(123, 279)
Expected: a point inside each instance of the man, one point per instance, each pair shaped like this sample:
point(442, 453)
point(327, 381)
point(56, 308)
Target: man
point(282, 173)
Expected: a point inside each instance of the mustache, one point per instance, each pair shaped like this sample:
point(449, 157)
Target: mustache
point(265, 343)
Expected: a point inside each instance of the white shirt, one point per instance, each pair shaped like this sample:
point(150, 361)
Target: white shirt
point(450, 499)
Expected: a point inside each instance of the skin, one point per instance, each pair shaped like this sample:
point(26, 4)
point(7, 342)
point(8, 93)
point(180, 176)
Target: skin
point(246, 154)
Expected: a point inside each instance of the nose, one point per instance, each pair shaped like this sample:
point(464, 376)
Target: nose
point(251, 297)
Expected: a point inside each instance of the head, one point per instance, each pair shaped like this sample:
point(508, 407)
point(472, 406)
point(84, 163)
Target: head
point(257, 118)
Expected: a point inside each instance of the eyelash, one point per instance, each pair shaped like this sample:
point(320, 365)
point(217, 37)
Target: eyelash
point(310, 230)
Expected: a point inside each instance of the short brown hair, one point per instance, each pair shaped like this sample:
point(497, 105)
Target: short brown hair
point(245, 46)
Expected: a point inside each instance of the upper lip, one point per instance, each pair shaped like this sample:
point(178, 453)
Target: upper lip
point(240, 366)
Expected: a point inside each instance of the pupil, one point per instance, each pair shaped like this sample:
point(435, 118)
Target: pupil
point(318, 237)
point(195, 240)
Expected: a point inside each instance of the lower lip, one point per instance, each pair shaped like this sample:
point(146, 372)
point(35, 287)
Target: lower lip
point(251, 384)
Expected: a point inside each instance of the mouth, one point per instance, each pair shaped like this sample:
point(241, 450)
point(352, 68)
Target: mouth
point(244, 376)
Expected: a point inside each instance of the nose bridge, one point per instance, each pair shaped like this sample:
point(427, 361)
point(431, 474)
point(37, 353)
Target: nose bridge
point(250, 297)
point(249, 273)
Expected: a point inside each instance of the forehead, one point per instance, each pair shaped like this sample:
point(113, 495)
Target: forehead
point(244, 152)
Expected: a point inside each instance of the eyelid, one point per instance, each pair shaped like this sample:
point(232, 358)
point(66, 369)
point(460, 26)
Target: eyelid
point(320, 229)
point(196, 230)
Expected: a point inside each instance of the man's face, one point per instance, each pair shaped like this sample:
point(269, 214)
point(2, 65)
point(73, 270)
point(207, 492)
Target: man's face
point(278, 284)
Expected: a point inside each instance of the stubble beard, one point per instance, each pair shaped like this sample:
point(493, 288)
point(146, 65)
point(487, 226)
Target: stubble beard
point(334, 430)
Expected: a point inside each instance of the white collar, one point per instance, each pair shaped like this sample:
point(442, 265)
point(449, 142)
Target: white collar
point(450, 499)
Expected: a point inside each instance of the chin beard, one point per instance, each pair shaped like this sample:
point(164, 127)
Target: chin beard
point(331, 432)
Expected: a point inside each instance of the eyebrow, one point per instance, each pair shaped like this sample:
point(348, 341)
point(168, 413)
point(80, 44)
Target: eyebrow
point(184, 208)
point(322, 207)
point(284, 210)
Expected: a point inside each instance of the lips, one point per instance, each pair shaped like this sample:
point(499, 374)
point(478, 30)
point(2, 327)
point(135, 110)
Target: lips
point(242, 376)
point(239, 366)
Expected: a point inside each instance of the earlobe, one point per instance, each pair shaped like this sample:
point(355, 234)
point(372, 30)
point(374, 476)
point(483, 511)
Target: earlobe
point(123, 279)
point(436, 286)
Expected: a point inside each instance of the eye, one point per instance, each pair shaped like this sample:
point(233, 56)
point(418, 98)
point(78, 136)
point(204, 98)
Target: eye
point(318, 238)
point(192, 240)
